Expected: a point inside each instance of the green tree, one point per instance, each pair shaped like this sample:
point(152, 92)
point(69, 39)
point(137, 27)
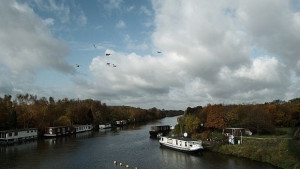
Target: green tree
point(192, 124)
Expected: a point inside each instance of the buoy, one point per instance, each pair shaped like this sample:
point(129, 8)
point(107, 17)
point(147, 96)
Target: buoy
point(121, 164)
point(115, 162)
point(127, 166)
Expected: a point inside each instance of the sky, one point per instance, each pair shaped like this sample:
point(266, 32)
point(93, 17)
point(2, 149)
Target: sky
point(168, 54)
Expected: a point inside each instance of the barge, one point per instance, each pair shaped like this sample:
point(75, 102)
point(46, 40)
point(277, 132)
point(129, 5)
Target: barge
point(17, 136)
point(105, 126)
point(157, 131)
point(183, 144)
point(121, 123)
point(57, 131)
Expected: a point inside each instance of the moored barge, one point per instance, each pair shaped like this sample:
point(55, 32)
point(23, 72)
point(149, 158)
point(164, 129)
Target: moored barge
point(121, 123)
point(20, 135)
point(159, 131)
point(104, 126)
point(57, 131)
point(181, 144)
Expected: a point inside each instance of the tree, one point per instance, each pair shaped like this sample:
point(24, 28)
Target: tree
point(90, 116)
point(192, 124)
point(13, 120)
point(259, 121)
point(62, 121)
point(215, 117)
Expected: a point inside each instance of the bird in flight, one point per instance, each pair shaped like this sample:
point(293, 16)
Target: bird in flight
point(77, 65)
point(107, 54)
point(114, 65)
point(108, 64)
point(94, 46)
point(158, 51)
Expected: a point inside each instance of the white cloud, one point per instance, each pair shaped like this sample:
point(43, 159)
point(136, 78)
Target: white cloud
point(207, 56)
point(262, 69)
point(145, 10)
point(120, 24)
point(207, 53)
point(82, 20)
point(113, 4)
point(27, 46)
point(65, 11)
point(61, 10)
point(134, 44)
point(48, 21)
point(130, 8)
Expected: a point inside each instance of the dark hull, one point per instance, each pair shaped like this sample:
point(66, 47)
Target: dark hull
point(153, 134)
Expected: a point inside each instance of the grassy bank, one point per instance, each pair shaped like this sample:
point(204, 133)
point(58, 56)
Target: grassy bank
point(279, 152)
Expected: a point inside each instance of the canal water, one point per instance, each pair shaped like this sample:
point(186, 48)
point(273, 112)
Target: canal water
point(98, 150)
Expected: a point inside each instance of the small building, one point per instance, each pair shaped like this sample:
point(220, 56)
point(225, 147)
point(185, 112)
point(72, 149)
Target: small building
point(20, 135)
point(235, 131)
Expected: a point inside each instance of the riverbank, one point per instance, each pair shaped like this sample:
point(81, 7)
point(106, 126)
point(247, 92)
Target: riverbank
point(280, 152)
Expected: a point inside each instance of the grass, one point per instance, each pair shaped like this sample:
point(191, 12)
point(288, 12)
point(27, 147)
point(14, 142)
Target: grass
point(278, 152)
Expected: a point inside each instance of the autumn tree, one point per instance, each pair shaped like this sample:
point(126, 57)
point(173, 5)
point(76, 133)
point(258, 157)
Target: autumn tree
point(215, 117)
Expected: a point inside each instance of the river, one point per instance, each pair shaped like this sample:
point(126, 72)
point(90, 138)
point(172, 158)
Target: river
point(99, 150)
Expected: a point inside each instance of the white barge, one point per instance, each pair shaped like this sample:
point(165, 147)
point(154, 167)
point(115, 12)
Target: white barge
point(181, 144)
point(14, 136)
point(82, 128)
point(104, 126)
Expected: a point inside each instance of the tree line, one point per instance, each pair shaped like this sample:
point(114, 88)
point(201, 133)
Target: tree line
point(259, 118)
point(29, 111)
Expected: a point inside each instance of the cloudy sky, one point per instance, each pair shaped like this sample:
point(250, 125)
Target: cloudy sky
point(231, 51)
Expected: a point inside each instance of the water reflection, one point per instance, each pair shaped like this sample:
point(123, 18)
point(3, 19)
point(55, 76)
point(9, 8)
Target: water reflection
point(26, 146)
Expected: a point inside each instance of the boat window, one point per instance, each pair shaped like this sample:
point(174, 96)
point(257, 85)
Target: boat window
point(186, 144)
point(16, 133)
point(176, 142)
point(9, 134)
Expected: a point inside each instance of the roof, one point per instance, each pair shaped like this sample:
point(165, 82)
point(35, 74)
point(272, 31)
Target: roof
point(182, 138)
point(5, 131)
